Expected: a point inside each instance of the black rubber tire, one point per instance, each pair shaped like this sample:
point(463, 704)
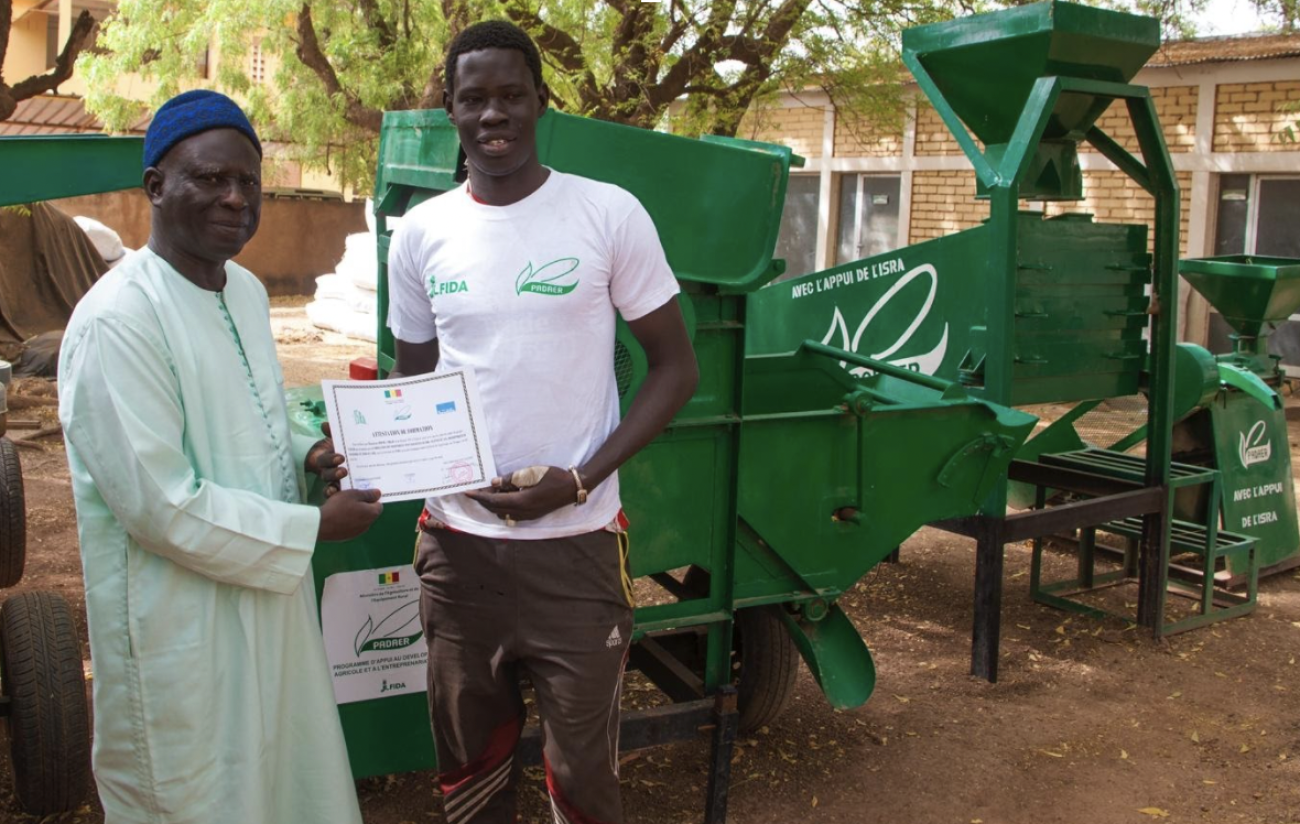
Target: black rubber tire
point(768, 665)
point(49, 722)
point(13, 516)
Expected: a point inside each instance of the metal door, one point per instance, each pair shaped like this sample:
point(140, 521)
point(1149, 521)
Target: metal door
point(868, 222)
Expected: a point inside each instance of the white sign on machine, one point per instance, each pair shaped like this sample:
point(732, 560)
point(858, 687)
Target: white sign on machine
point(373, 637)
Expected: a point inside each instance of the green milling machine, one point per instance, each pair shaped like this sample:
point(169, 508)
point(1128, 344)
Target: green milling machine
point(1246, 437)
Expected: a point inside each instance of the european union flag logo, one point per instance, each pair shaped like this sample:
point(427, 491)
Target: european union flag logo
point(449, 406)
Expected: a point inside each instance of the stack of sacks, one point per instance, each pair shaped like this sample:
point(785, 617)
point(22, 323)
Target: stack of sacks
point(346, 301)
point(106, 241)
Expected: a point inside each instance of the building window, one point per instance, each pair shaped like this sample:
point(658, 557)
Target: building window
point(1258, 215)
point(257, 63)
point(797, 242)
point(868, 223)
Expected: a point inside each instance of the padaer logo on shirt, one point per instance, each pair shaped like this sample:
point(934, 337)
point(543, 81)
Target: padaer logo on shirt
point(543, 279)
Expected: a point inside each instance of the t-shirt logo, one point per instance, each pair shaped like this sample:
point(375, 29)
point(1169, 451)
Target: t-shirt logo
point(446, 287)
point(542, 280)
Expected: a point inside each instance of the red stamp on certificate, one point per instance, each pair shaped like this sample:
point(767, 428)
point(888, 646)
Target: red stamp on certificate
point(461, 472)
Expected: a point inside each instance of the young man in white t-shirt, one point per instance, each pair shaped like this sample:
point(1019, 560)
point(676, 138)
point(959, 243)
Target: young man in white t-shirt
point(519, 274)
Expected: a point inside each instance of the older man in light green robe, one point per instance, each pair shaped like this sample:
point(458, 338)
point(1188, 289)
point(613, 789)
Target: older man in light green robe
point(213, 701)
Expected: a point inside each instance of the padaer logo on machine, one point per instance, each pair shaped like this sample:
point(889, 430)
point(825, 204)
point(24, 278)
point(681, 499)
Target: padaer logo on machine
point(1252, 448)
point(924, 362)
point(543, 279)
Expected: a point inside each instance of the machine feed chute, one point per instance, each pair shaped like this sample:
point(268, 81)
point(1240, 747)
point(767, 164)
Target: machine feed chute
point(1249, 291)
point(991, 78)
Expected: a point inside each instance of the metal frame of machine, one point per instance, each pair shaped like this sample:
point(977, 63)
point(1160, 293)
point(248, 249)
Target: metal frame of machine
point(1084, 64)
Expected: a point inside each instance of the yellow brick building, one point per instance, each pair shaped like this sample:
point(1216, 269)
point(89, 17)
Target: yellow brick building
point(1224, 105)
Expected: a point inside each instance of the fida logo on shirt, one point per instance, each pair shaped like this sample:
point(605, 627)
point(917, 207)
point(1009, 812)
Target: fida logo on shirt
point(447, 287)
point(542, 280)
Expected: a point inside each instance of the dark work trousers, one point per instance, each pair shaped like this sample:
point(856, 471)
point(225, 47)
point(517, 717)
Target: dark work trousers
point(556, 610)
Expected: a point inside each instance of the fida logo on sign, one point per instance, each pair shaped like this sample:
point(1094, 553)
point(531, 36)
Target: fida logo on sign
point(1252, 448)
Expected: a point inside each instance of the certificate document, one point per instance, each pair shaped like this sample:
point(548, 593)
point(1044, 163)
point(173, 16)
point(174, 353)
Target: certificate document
point(410, 438)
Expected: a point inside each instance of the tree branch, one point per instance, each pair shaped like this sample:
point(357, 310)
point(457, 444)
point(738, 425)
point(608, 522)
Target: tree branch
point(560, 47)
point(697, 60)
point(559, 103)
point(758, 55)
point(558, 44)
point(431, 97)
point(6, 23)
point(457, 17)
point(83, 29)
point(676, 28)
point(375, 20)
point(309, 52)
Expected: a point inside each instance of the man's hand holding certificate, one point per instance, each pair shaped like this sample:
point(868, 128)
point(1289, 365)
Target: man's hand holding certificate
point(411, 438)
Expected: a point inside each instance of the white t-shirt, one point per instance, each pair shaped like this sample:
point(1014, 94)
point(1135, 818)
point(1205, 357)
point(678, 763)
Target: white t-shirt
point(526, 295)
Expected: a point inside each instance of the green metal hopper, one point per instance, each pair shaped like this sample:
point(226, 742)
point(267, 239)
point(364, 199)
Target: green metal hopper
point(985, 75)
point(1248, 290)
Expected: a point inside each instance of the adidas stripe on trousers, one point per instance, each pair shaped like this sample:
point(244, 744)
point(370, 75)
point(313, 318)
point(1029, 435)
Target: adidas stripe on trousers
point(556, 611)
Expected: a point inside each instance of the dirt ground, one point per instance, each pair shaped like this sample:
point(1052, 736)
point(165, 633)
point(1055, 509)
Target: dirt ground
point(1091, 721)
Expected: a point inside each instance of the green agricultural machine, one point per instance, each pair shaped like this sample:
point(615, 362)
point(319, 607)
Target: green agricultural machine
point(1030, 309)
point(777, 487)
point(841, 411)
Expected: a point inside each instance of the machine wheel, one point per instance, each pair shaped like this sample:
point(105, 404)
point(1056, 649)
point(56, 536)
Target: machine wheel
point(49, 724)
point(767, 664)
point(13, 516)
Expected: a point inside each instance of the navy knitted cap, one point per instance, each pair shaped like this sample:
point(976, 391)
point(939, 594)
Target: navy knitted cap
point(190, 113)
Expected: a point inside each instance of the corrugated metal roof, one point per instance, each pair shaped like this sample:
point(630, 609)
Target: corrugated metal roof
point(55, 114)
point(1226, 49)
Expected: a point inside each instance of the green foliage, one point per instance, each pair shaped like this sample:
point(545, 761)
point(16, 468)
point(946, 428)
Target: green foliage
point(1285, 14)
point(165, 40)
point(1288, 133)
point(1175, 15)
point(696, 66)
